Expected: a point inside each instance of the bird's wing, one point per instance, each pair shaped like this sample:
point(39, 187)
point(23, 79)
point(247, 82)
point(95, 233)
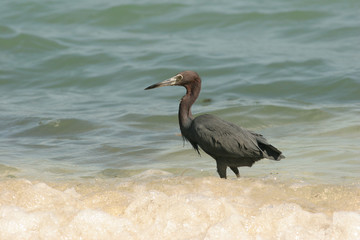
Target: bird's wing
point(222, 139)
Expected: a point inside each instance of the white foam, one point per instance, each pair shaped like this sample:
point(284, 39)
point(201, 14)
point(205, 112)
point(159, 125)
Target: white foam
point(347, 224)
point(176, 208)
point(94, 224)
point(17, 223)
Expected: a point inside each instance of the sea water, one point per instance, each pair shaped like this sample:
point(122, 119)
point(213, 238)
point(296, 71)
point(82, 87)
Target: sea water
point(86, 153)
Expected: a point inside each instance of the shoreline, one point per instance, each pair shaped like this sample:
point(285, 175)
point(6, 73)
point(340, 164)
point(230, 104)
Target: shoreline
point(158, 205)
point(191, 207)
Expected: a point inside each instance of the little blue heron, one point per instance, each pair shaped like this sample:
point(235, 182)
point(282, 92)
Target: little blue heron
point(230, 145)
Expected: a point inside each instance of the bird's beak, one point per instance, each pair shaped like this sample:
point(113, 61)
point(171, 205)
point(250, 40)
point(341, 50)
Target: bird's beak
point(168, 82)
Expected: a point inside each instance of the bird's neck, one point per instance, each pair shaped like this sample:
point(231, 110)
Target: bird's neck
point(185, 115)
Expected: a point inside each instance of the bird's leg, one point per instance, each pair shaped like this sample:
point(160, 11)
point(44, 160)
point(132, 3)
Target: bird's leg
point(221, 169)
point(236, 171)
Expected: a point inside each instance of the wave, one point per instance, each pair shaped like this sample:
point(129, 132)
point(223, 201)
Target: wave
point(154, 204)
point(57, 128)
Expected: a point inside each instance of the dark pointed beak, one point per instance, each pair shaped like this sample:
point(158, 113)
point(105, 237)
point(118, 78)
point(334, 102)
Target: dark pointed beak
point(168, 82)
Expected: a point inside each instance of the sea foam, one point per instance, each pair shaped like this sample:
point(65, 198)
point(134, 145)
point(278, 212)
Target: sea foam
point(168, 207)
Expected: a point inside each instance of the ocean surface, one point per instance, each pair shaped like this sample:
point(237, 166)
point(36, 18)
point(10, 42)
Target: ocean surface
point(86, 153)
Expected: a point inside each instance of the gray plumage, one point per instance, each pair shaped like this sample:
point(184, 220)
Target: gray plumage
point(230, 145)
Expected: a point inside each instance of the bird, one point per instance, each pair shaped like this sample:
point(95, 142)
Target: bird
point(229, 144)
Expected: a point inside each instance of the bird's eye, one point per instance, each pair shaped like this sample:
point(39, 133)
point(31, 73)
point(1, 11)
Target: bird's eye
point(179, 77)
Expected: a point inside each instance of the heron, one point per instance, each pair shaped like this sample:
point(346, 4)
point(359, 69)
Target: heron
point(229, 144)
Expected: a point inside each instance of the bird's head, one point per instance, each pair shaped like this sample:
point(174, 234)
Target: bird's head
point(186, 78)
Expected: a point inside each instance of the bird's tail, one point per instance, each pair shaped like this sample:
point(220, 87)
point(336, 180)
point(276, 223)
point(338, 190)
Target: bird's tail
point(271, 152)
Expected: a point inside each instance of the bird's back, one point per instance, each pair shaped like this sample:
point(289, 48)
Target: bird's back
point(224, 140)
